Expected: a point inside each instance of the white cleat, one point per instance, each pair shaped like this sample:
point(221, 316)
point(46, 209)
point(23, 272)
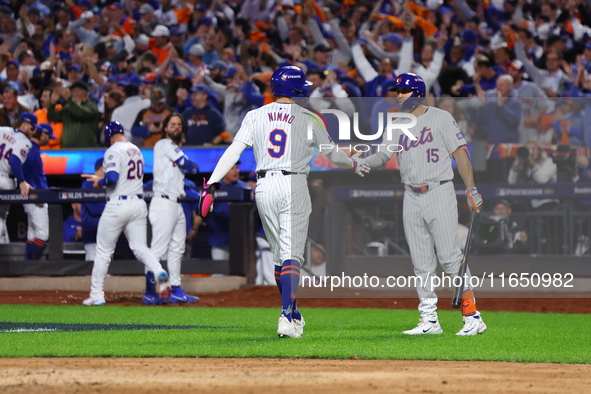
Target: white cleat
point(93, 302)
point(473, 325)
point(299, 326)
point(286, 328)
point(425, 327)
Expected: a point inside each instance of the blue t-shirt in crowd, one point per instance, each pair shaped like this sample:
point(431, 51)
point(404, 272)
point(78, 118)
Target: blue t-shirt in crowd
point(203, 125)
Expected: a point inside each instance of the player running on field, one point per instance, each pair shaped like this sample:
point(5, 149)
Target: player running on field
point(430, 213)
point(166, 212)
point(278, 134)
point(125, 211)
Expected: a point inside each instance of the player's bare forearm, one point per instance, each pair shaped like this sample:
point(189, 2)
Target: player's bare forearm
point(465, 167)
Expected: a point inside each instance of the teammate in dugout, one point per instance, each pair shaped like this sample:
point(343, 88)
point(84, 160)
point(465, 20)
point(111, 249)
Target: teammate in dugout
point(430, 212)
point(166, 215)
point(125, 211)
point(282, 151)
point(37, 214)
point(14, 148)
point(91, 214)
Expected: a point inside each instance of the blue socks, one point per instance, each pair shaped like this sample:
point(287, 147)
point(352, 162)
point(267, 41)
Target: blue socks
point(295, 313)
point(289, 280)
point(150, 283)
point(34, 249)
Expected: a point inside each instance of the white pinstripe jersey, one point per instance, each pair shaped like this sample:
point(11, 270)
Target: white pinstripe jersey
point(277, 133)
point(428, 159)
point(12, 142)
point(168, 177)
point(126, 159)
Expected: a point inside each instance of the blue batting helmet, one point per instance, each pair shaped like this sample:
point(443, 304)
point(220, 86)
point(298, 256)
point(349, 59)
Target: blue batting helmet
point(414, 82)
point(110, 130)
point(289, 81)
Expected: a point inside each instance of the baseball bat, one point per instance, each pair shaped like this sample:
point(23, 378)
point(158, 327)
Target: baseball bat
point(459, 290)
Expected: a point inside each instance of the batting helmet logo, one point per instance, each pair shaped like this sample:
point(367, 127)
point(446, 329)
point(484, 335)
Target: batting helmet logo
point(289, 81)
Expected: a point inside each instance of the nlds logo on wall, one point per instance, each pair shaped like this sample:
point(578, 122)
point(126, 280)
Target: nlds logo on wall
point(70, 195)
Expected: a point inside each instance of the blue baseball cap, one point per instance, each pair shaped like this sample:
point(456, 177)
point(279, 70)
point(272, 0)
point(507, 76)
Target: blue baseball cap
point(218, 65)
point(47, 129)
point(86, 3)
point(469, 36)
point(200, 7)
point(206, 21)
point(99, 163)
point(119, 79)
point(28, 117)
point(175, 30)
point(75, 67)
point(116, 5)
point(13, 62)
point(200, 88)
point(230, 73)
point(394, 38)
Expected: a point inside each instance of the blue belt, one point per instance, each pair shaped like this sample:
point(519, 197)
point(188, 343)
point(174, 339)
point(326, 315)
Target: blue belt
point(262, 174)
point(424, 188)
point(126, 197)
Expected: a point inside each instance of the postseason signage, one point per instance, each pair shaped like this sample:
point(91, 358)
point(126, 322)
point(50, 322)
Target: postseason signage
point(228, 194)
point(396, 192)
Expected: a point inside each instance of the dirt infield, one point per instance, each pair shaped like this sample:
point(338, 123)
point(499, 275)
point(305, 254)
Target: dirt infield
point(99, 375)
point(156, 375)
point(268, 297)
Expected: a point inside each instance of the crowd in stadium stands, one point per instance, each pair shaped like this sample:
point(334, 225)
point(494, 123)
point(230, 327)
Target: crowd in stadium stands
point(509, 71)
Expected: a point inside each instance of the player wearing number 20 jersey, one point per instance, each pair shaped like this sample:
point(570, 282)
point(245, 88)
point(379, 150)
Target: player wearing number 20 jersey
point(125, 212)
point(127, 160)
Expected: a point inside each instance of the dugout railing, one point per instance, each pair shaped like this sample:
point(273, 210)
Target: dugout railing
point(67, 258)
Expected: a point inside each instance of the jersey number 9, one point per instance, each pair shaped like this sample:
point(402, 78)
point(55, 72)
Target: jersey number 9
point(136, 169)
point(278, 139)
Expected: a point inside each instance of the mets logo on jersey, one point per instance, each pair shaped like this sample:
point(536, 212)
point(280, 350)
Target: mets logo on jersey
point(23, 153)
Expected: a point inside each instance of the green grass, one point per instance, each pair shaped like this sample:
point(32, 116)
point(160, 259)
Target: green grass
point(330, 333)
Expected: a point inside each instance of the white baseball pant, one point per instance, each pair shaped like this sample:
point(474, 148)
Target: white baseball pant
point(38, 217)
point(90, 250)
point(128, 216)
point(431, 222)
point(6, 183)
point(284, 206)
point(169, 232)
point(220, 253)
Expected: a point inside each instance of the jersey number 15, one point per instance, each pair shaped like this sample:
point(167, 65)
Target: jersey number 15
point(136, 169)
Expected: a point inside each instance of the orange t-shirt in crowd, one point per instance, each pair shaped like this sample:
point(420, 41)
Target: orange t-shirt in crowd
point(58, 128)
point(128, 26)
point(160, 53)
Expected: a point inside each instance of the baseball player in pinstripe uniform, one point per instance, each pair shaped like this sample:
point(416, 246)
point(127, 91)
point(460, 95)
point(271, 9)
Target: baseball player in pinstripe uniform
point(37, 214)
point(14, 148)
point(277, 133)
point(125, 211)
point(166, 215)
point(430, 212)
